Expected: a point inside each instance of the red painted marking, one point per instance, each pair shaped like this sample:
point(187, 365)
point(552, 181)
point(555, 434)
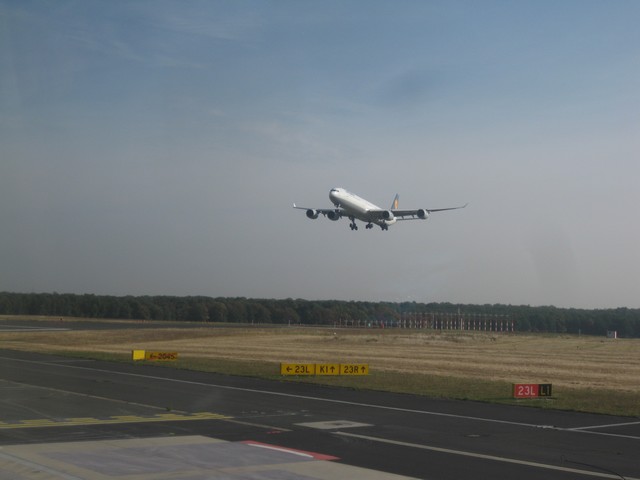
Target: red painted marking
point(293, 451)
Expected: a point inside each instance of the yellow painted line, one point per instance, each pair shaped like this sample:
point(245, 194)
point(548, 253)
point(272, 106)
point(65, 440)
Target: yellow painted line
point(163, 417)
point(171, 416)
point(82, 419)
point(203, 415)
point(37, 423)
point(126, 418)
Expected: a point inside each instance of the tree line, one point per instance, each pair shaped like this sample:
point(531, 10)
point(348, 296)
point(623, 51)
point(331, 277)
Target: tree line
point(525, 318)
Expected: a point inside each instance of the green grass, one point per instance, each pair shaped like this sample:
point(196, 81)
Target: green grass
point(600, 401)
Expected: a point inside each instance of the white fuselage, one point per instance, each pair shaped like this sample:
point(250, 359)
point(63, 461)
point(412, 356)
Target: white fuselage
point(357, 207)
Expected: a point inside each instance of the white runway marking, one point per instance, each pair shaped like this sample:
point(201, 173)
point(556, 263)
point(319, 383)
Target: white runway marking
point(320, 399)
point(484, 457)
point(334, 425)
point(591, 427)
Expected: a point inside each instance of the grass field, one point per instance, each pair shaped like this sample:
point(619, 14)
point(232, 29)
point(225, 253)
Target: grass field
point(588, 373)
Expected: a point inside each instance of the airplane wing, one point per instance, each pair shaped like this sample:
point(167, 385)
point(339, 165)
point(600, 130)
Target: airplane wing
point(420, 213)
point(333, 213)
point(402, 214)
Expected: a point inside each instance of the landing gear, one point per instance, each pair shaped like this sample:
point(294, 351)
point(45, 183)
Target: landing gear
point(368, 226)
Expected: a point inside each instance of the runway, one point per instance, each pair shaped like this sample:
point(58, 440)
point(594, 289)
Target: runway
point(71, 419)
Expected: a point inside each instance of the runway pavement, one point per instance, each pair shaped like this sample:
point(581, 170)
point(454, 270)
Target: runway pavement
point(81, 419)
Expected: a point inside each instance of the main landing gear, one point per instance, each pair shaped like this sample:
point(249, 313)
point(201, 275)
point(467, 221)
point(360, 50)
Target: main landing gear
point(368, 226)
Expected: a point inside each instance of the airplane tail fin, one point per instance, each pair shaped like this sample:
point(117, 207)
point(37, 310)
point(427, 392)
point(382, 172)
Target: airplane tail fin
point(396, 200)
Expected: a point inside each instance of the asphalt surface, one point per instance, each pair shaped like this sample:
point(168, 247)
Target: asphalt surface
point(47, 400)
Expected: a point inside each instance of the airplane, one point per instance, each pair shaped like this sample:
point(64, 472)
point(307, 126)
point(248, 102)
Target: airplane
point(353, 207)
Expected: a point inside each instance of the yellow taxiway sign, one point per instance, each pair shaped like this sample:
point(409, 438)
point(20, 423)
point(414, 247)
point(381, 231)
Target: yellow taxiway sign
point(324, 369)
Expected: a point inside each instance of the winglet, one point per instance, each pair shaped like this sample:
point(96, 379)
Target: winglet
point(396, 202)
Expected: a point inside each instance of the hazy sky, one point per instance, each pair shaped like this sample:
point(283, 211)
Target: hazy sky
point(156, 148)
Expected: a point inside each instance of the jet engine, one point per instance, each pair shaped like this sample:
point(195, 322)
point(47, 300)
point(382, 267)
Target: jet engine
point(388, 215)
point(423, 214)
point(312, 214)
point(333, 215)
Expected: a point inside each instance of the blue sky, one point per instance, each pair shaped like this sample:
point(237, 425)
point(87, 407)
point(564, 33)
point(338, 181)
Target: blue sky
point(156, 147)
